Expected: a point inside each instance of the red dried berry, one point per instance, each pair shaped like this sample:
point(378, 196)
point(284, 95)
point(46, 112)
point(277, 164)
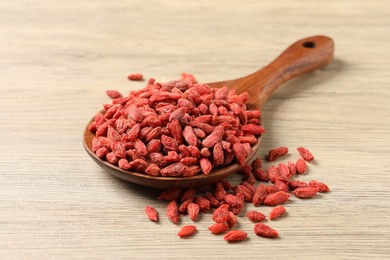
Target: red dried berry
point(306, 192)
point(257, 164)
point(235, 236)
point(218, 155)
point(284, 171)
point(184, 205)
point(218, 228)
point(151, 213)
point(205, 165)
point(193, 211)
point(189, 193)
point(172, 212)
point(273, 173)
point(263, 230)
point(277, 152)
point(277, 212)
point(281, 185)
point(297, 184)
point(276, 198)
point(255, 216)
point(253, 129)
point(305, 154)
point(174, 170)
point(239, 153)
point(135, 76)
point(220, 191)
point(259, 195)
point(187, 231)
point(291, 167)
point(322, 187)
point(113, 94)
point(204, 204)
point(301, 166)
point(232, 221)
point(214, 202)
point(190, 136)
point(221, 214)
point(215, 136)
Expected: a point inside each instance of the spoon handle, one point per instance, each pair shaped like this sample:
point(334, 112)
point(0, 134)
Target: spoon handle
point(303, 56)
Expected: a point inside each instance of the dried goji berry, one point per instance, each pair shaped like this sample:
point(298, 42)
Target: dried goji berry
point(184, 205)
point(277, 152)
point(259, 195)
point(239, 152)
point(235, 236)
point(218, 228)
point(305, 192)
point(193, 211)
point(221, 214)
point(215, 136)
point(187, 231)
point(151, 213)
point(174, 170)
point(232, 221)
point(263, 230)
point(135, 76)
point(305, 153)
point(276, 198)
point(189, 193)
point(190, 136)
point(205, 165)
point(255, 216)
point(276, 212)
point(113, 94)
point(291, 167)
point(172, 212)
point(203, 203)
point(170, 194)
point(214, 202)
point(322, 187)
point(301, 165)
point(281, 185)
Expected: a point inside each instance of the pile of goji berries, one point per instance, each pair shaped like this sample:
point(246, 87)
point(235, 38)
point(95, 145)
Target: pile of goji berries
point(179, 128)
point(271, 187)
point(183, 128)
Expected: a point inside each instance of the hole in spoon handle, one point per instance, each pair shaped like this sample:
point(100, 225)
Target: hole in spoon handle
point(301, 57)
point(309, 44)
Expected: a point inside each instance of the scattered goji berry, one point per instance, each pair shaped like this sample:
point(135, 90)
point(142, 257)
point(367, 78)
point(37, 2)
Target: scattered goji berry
point(235, 236)
point(173, 212)
point(135, 76)
point(301, 166)
point(276, 212)
point(151, 213)
point(305, 153)
point(263, 230)
point(218, 228)
point(193, 211)
point(276, 198)
point(221, 214)
point(305, 192)
point(255, 216)
point(186, 231)
point(322, 187)
point(277, 152)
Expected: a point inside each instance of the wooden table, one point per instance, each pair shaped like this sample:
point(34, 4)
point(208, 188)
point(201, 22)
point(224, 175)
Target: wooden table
point(58, 59)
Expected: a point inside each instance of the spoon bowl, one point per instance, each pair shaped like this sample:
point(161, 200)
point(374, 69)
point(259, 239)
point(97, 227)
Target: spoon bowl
point(301, 57)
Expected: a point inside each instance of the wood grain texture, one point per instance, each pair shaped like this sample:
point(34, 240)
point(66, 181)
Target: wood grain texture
point(57, 60)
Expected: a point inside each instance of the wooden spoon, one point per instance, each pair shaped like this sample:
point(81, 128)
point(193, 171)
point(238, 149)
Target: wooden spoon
point(301, 57)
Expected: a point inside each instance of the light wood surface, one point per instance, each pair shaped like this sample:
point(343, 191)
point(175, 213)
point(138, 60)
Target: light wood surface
point(59, 57)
